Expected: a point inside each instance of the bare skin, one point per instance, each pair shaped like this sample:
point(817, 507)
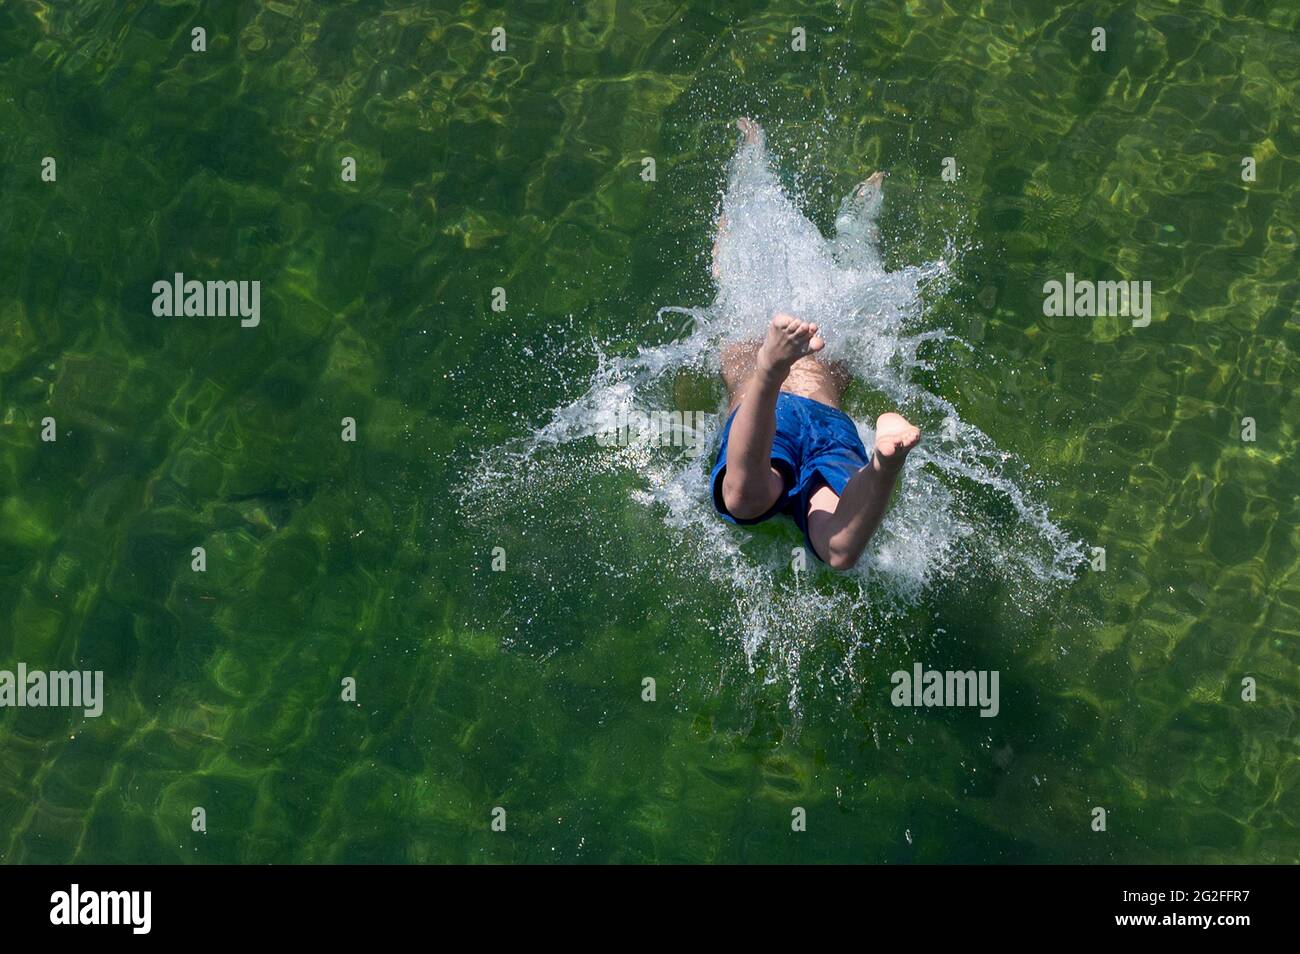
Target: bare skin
point(755, 373)
point(838, 525)
point(872, 181)
point(751, 485)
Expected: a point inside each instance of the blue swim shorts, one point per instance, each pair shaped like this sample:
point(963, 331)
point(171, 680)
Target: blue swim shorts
point(815, 445)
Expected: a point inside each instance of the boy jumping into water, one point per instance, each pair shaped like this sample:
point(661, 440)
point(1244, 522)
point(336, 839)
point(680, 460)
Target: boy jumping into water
point(788, 448)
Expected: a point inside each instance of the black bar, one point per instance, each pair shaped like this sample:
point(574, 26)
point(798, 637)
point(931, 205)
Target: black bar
point(338, 904)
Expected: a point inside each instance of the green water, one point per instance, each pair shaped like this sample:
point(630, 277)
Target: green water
point(522, 689)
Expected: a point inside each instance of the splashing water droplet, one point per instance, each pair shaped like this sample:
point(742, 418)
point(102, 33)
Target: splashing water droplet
point(963, 505)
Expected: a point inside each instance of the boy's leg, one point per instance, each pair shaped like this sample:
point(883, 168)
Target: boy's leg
point(752, 135)
point(737, 368)
point(751, 485)
point(856, 235)
point(839, 527)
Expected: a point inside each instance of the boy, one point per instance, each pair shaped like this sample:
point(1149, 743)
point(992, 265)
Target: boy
point(788, 448)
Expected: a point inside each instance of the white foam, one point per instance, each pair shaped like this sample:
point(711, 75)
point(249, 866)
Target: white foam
point(963, 505)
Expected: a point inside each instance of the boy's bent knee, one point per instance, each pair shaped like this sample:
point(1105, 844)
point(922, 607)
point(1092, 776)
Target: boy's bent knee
point(839, 558)
point(746, 503)
point(842, 561)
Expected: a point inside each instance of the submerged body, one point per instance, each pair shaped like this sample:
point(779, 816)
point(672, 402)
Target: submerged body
point(787, 447)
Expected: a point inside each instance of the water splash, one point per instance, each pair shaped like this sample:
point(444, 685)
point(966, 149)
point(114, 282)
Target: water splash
point(963, 505)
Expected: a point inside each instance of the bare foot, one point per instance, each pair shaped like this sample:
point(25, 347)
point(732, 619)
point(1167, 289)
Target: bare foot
point(872, 183)
point(788, 339)
point(860, 207)
point(894, 438)
point(751, 130)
